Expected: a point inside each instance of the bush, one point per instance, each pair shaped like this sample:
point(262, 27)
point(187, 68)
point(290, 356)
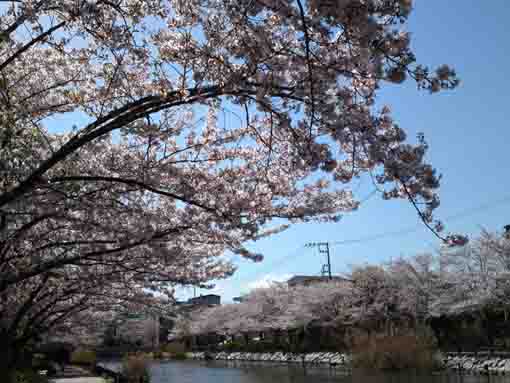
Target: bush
point(266, 346)
point(41, 362)
point(58, 352)
point(136, 368)
point(174, 348)
point(29, 376)
point(399, 352)
point(85, 357)
point(179, 356)
point(233, 346)
point(47, 365)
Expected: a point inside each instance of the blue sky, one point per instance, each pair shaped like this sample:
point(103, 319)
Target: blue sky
point(469, 144)
point(468, 136)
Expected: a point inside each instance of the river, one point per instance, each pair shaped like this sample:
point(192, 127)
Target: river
point(236, 372)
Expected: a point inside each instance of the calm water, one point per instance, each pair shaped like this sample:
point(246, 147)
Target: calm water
point(235, 372)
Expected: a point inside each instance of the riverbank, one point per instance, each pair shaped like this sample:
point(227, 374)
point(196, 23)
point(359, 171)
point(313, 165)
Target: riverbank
point(479, 363)
point(76, 374)
point(467, 363)
point(79, 380)
point(318, 358)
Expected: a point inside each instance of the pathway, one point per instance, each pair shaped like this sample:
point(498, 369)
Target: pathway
point(79, 380)
point(75, 374)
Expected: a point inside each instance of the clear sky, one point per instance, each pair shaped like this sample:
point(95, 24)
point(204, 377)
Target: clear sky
point(469, 139)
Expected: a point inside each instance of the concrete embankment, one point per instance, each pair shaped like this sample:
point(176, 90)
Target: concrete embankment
point(466, 363)
point(479, 363)
point(318, 358)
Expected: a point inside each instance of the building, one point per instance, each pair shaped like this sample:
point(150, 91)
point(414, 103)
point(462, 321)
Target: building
point(202, 300)
point(209, 299)
point(306, 280)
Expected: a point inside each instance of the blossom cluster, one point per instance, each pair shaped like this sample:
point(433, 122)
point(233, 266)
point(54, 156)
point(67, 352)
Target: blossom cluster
point(195, 125)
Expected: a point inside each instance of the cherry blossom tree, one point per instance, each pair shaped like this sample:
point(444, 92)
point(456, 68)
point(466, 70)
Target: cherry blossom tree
point(470, 273)
point(499, 246)
point(419, 284)
point(380, 298)
point(274, 308)
point(140, 140)
point(262, 309)
point(374, 297)
point(478, 273)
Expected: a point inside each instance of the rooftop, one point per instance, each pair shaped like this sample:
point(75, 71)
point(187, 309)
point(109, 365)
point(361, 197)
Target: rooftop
point(309, 279)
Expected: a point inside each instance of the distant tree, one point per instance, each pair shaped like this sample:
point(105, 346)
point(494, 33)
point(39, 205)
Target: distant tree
point(273, 309)
point(472, 280)
point(480, 271)
point(419, 284)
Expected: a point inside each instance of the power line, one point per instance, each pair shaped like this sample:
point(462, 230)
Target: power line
point(481, 207)
point(375, 237)
point(412, 229)
point(295, 253)
point(323, 249)
point(466, 212)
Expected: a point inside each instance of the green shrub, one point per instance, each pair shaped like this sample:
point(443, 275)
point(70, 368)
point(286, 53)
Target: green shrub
point(85, 357)
point(179, 356)
point(44, 364)
point(58, 352)
point(174, 347)
point(233, 346)
point(29, 376)
point(177, 350)
point(265, 346)
point(136, 368)
point(399, 352)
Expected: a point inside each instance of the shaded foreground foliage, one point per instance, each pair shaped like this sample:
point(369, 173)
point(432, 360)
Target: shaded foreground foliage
point(84, 357)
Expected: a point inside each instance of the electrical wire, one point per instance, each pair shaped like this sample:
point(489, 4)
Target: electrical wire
point(412, 229)
point(298, 252)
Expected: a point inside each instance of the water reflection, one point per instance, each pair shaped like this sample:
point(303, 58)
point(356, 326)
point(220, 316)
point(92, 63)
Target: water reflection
point(235, 372)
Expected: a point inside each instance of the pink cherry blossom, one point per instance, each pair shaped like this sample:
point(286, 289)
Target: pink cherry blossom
point(142, 140)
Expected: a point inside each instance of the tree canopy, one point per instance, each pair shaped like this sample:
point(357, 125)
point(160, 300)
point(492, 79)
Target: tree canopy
point(140, 140)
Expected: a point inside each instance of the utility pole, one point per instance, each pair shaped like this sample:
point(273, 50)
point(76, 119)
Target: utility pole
point(323, 249)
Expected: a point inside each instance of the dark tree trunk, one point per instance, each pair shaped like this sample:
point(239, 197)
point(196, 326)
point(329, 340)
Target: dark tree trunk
point(7, 360)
